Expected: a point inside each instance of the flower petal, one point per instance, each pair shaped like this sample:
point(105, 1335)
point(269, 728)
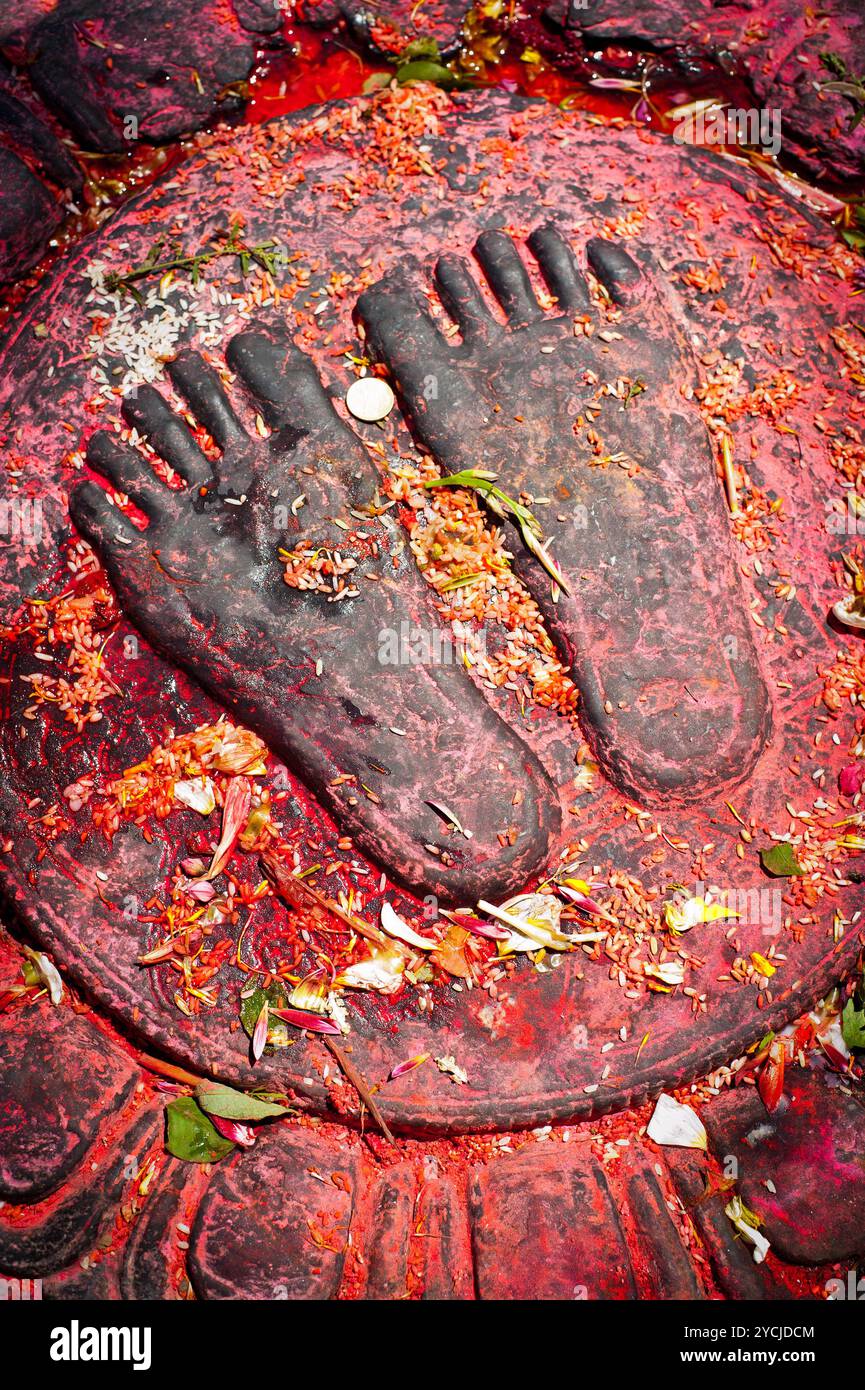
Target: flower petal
point(381, 972)
point(675, 1124)
point(197, 793)
point(314, 1023)
point(235, 1131)
point(395, 926)
point(402, 1067)
point(259, 1037)
point(235, 813)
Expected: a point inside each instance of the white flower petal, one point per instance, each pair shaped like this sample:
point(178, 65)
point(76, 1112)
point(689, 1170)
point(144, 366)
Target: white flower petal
point(197, 793)
point(393, 925)
point(381, 972)
point(676, 1124)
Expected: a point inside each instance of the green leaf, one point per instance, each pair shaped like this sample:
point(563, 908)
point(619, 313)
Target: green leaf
point(192, 1136)
point(30, 973)
point(278, 1033)
point(461, 581)
point(376, 81)
point(834, 62)
point(424, 70)
point(504, 506)
point(420, 48)
point(229, 1104)
point(844, 89)
point(781, 861)
point(853, 1025)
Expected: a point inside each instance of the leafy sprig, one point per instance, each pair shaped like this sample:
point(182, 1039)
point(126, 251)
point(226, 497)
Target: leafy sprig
point(853, 1017)
point(479, 480)
point(845, 85)
point(266, 254)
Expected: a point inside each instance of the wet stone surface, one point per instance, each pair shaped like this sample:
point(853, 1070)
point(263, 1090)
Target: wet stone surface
point(113, 76)
point(777, 50)
point(38, 177)
point(116, 74)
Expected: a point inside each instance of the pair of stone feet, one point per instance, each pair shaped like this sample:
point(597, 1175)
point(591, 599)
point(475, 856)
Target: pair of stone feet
point(652, 621)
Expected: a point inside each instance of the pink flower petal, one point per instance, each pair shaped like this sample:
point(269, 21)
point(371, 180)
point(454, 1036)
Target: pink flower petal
point(235, 814)
point(850, 779)
point(232, 1129)
point(201, 890)
point(402, 1067)
point(491, 930)
point(300, 1019)
point(193, 867)
point(584, 903)
point(259, 1036)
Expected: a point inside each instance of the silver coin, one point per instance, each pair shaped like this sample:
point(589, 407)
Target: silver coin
point(370, 398)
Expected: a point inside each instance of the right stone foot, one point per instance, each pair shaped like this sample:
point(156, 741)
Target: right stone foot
point(654, 622)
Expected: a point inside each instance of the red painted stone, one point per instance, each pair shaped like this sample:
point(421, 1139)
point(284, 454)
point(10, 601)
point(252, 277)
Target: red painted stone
point(268, 1228)
point(544, 1226)
point(38, 1240)
point(47, 1125)
point(812, 1149)
point(445, 1241)
point(535, 1054)
point(392, 1234)
point(732, 1261)
point(661, 1263)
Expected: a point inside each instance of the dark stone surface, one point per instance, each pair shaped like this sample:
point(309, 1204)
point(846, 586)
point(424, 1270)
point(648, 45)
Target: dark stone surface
point(23, 128)
point(28, 216)
point(392, 1234)
point(201, 584)
point(524, 1061)
point(731, 1257)
point(663, 1260)
point(171, 67)
point(152, 1250)
point(42, 1239)
point(387, 26)
point(38, 177)
point(670, 719)
point(775, 45)
point(544, 1226)
point(48, 1122)
point(446, 1241)
point(267, 1228)
point(812, 1148)
point(98, 1282)
point(115, 73)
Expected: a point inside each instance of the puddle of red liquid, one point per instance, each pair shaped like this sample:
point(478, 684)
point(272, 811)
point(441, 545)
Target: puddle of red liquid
point(319, 66)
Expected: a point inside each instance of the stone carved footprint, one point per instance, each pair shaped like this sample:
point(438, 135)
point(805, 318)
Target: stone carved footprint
point(203, 583)
point(654, 625)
